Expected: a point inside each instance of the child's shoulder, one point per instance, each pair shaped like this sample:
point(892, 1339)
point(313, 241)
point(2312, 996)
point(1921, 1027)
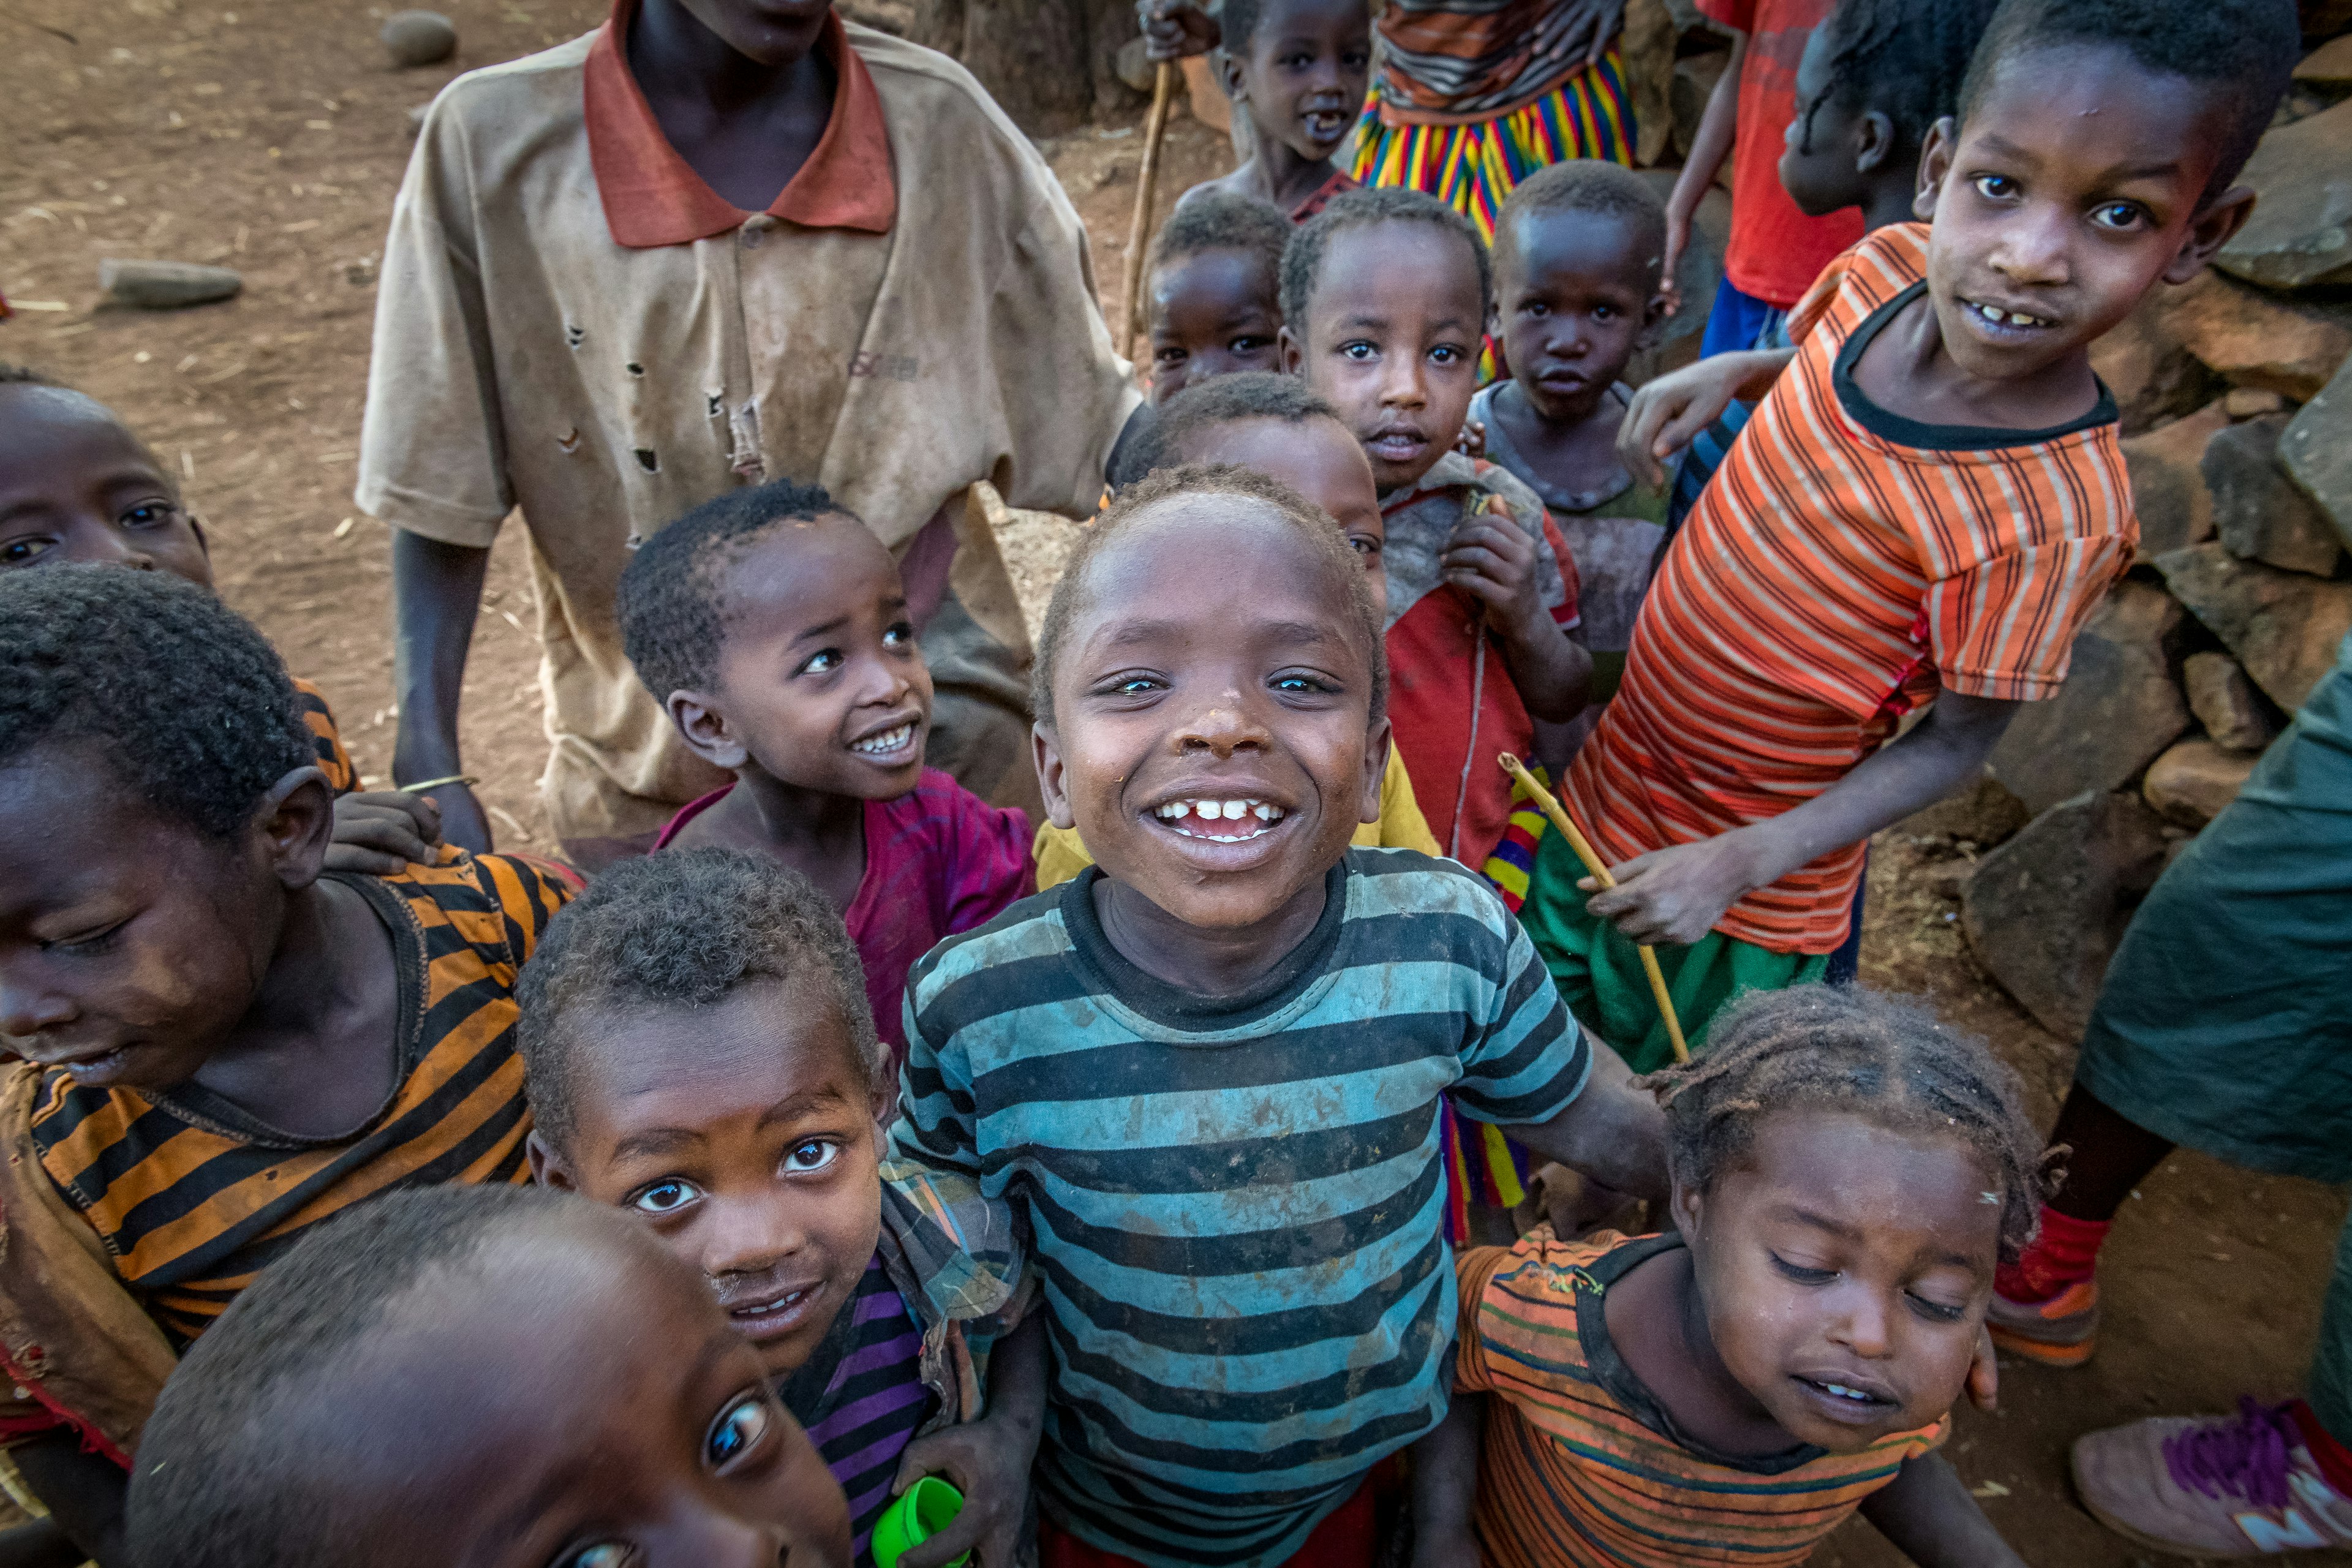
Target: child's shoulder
point(970, 969)
point(1398, 881)
point(933, 104)
point(497, 904)
point(1875, 270)
point(517, 96)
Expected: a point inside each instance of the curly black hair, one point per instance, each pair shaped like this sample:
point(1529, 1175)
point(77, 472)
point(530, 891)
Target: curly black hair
point(1904, 58)
point(1302, 258)
point(672, 601)
point(1586, 185)
point(171, 688)
point(2239, 52)
point(1842, 1048)
point(240, 1465)
point(1220, 400)
point(682, 929)
point(1366, 624)
point(1223, 220)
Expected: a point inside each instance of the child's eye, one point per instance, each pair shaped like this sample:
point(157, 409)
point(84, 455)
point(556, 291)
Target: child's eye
point(604, 1554)
point(89, 945)
point(1134, 686)
point(2121, 216)
point(1939, 1311)
point(1358, 349)
point(1803, 1275)
point(1995, 187)
point(812, 1154)
point(1604, 312)
point(1536, 308)
point(1448, 353)
point(1364, 545)
point(23, 552)
point(1249, 344)
point(737, 1431)
point(1297, 62)
point(900, 634)
point(664, 1197)
point(1171, 355)
point(149, 515)
point(821, 663)
point(1299, 683)
point(1355, 59)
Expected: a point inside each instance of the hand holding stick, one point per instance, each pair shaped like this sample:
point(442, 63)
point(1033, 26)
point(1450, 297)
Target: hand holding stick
point(1584, 852)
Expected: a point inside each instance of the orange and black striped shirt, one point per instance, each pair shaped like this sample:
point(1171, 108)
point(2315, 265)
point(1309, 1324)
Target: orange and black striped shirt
point(1843, 566)
point(192, 1197)
point(1578, 1469)
point(333, 760)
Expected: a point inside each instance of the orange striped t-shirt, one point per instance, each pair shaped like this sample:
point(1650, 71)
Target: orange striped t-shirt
point(192, 1197)
point(1843, 566)
point(1577, 1470)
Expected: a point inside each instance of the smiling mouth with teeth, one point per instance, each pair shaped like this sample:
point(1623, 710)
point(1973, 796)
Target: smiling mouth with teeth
point(886, 742)
point(1995, 316)
point(1852, 1396)
point(1204, 818)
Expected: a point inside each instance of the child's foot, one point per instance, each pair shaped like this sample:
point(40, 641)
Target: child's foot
point(2243, 1485)
point(2059, 1330)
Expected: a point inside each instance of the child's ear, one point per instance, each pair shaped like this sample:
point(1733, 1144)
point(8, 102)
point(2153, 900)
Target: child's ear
point(885, 1101)
point(1687, 1206)
point(706, 731)
point(1873, 142)
point(1288, 351)
point(2214, 226)
point(1376, 769)
point(1046, 747)
point(547, 1166)
point(1231, 72)
point(1935, 162)
point(295, 823)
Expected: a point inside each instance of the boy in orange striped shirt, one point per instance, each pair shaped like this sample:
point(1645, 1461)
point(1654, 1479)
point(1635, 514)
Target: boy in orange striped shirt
point(1930, 501)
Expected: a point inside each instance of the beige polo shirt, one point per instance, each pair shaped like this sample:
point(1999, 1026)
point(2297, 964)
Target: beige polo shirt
point(525, 358)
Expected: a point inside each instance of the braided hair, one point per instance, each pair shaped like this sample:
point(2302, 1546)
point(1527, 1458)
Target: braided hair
point(1906, 59)
point(1841, 1048)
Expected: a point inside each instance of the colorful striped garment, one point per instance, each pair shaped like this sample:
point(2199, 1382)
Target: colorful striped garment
point(319, 718)
point(1237, 1203)
point(861, 1396)
point(1844, 565)
point(192, 1197)
point(1579, 1468)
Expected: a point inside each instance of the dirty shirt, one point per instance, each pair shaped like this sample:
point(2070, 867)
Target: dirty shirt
point(571, 323)
point(1237, 1203)
point(860, 1396)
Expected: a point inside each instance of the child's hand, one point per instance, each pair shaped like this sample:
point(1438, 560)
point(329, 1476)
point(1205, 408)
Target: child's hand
point(383, 831)
point(1592, 26)
point(1471, 442)
point(993, 1476)
point(1677, 894)
point(1175, 28)
point(1668, 414)
point(1491, 558)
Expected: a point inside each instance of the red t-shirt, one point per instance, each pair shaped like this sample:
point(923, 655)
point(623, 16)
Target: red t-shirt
point(1776, 251)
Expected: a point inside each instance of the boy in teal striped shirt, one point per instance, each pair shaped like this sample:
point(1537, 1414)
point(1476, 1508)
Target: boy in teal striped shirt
point(1207, 1071)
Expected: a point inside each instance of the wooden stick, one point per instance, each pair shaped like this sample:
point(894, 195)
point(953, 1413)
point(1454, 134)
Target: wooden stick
point(1583, 848)
point(419, 788)
point(1146, 187)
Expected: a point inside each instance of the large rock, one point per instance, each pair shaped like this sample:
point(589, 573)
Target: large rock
point(2330, 65)
point(419, 37)
point(2255, 339)
point(2045, 911)
point(2258, 512)
point(1645, 46)
point(2168, 480)
point(165, 285)
point(2301, 230)
point(2226, 702)
point(2192, 781)
point(2151, 374)
point(1985, 814)
point(1693, 83)
point(2119, 708)
point(2316, 450)
point(2283, 626)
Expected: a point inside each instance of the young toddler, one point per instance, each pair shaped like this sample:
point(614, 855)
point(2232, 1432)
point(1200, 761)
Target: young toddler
point(772, 628)
point(1577, 284)
point(699, 1053)
point(77, 485)
point(1213, 294)
point(1847, 1171)
point(1929, 503)
point(1383, 300)
point(509, 1379)
point(1203, 1071)
point(224, 1042)
point(1274, 426)
point(1296, 69)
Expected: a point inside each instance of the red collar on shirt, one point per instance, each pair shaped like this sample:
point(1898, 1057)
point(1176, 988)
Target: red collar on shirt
point(653, 197)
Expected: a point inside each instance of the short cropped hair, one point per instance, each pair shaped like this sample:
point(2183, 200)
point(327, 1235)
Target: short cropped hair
point(673, 606)
point(1907, 58)
point(223, 1478)
point(1332, 551)
point(682, 929)
point(1586, 185)
point(1302, 259)
point(1842, 1050)
point(1220, 400)
point(1224, 220)
point(2242, 52)
point(173, 691)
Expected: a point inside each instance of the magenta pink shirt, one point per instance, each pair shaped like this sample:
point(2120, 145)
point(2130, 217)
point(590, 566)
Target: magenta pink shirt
point(938, 860)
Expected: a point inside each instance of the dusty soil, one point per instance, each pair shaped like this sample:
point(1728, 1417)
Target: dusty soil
point(270, 135)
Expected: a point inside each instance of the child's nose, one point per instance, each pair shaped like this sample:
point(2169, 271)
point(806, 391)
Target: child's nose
point(1222, 728)
point(27, 1006)
point(2033, 247)
point(1866, 1326)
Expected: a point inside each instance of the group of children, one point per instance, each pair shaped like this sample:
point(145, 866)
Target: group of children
point(1114, 1174)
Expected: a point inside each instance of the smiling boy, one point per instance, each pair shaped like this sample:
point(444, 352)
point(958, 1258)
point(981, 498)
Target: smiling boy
point(1927, 505)
point(1208, 1069)
point(1297, 70)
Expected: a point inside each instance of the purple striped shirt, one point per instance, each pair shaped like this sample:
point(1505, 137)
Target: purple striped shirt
point(861, 1396)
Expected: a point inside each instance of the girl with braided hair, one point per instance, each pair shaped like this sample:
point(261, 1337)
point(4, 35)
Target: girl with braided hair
point(1848, 1171)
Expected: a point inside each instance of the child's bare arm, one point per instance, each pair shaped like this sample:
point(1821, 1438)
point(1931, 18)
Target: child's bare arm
point(1492, 559)
point(1613, 1132)
point(1445, 1487)
point(437, 592)
point(1932, 1520)
point(84, 1493)
point(987, 1460)
point(1667, 415)
point(1709, 145)
point(1677, 894)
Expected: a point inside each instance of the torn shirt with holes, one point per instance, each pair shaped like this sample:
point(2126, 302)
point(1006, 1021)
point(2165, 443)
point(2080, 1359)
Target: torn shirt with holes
point(569, 328)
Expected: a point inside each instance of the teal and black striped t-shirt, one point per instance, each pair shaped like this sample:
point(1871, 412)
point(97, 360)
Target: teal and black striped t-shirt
point(1238, 1202)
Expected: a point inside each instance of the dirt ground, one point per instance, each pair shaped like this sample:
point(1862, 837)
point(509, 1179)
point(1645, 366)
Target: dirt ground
point(270, 135)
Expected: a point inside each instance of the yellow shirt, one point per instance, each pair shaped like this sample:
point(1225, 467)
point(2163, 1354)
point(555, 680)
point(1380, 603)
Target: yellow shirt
point(1061, 854)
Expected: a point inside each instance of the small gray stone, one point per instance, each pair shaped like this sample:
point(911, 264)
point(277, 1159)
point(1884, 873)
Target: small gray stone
point(2190, 783)
point(2045, 912)
point(2257, 511)
point(2119, 707)
point(2316, 450)
point(419, 37)
point(1136, 67)
point(165, 285)
point(2226, 702)
point(2301, 230)
point(2283, 626)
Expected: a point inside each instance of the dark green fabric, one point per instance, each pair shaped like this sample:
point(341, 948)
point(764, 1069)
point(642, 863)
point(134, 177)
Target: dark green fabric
point(1600, 977)
point(2226, 1020)
point(2329, 1392)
